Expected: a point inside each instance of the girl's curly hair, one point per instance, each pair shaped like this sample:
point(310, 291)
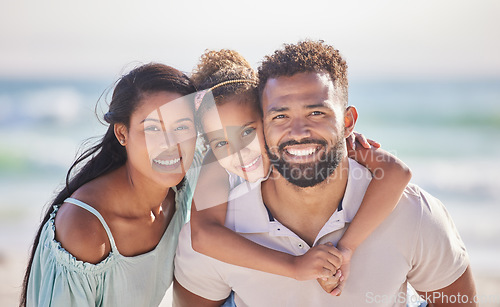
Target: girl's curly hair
point(216, 67)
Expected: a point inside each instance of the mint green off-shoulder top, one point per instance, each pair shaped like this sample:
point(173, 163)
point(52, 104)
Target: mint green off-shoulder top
point(57, 278)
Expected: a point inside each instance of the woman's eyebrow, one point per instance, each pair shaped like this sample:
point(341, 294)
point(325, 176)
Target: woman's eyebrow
point(151, 119)
point(183, 120)
point(160, 121)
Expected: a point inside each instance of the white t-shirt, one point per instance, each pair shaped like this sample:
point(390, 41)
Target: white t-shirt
point(417, 243)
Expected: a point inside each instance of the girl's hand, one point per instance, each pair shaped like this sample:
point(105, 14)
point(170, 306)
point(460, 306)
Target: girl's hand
point(359, 138)
point(333, 283)
point(320, 262)
point(345, 268)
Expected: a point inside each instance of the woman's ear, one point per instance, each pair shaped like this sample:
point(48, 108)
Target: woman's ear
point(350, 118)
point(121, 133)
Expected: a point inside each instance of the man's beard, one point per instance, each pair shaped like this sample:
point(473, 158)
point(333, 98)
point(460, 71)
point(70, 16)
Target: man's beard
point(308, 174)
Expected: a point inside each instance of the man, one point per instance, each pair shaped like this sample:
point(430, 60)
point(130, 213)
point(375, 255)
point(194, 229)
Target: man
point(314, 192)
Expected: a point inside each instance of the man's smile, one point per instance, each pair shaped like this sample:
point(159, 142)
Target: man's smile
point(304, 152)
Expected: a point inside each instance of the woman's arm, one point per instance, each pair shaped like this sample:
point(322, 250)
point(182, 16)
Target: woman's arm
point(210, 237)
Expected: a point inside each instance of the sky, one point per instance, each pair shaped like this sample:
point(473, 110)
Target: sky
point(388, 39)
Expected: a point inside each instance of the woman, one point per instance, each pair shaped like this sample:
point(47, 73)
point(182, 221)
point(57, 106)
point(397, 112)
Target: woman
point(110, 236)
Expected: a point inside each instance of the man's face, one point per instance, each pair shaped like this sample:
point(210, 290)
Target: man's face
point(304, 127)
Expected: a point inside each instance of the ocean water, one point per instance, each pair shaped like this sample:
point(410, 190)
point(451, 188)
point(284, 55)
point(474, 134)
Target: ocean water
point(449, 135)
point(447, 132)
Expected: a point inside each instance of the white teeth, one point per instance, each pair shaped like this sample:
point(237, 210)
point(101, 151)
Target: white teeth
point(251, 163)
point(301, 152)
point(167, 162)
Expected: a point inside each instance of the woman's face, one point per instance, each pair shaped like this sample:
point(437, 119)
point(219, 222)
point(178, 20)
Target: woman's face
point(161, 138)
point(235, 135)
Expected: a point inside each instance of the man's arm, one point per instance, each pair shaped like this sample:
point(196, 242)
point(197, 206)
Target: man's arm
point(183, 298)
point(462, 290)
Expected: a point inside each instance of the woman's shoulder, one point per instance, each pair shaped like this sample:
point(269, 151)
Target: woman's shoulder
point(80, 231)
point(81, 234)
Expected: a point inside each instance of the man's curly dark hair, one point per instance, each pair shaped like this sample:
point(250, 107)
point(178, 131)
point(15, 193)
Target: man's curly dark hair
point(305, 56)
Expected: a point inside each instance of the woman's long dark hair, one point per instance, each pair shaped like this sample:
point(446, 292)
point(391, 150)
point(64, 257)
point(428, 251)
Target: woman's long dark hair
point(109, 154)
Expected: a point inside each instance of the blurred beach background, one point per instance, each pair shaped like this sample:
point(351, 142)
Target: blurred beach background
point(425, 78)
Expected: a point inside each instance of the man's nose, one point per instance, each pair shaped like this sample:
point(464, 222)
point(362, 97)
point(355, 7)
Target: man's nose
point(299, 129)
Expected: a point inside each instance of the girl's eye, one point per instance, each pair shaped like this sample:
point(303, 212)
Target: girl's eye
point(152, 128)
point(220, 144)
point(248, 131)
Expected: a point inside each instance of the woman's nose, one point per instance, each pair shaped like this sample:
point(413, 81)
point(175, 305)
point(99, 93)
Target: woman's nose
point(168, 140)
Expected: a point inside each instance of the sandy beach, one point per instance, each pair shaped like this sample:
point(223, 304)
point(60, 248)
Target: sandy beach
point(12, 268)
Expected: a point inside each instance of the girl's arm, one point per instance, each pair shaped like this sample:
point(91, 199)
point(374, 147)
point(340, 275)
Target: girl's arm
point(390, 177)
point(210, 237)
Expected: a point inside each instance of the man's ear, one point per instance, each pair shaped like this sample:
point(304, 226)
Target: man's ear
point(121, 133)
point(350, 118)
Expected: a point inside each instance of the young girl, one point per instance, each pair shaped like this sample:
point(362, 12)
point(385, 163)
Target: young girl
point(110, 236)
point(230, 116)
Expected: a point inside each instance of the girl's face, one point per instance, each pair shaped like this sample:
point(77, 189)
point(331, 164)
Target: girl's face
point(235, 135)
point(161, 139)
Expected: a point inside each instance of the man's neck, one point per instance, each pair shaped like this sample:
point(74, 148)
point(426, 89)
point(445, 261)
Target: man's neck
point(305, 210)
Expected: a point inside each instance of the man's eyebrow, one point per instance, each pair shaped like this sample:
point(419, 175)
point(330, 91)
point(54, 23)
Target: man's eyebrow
point(310, 106)
point(277, 110)
point(315, 106)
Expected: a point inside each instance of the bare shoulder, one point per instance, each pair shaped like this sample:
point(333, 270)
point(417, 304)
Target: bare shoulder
point(79, 231)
